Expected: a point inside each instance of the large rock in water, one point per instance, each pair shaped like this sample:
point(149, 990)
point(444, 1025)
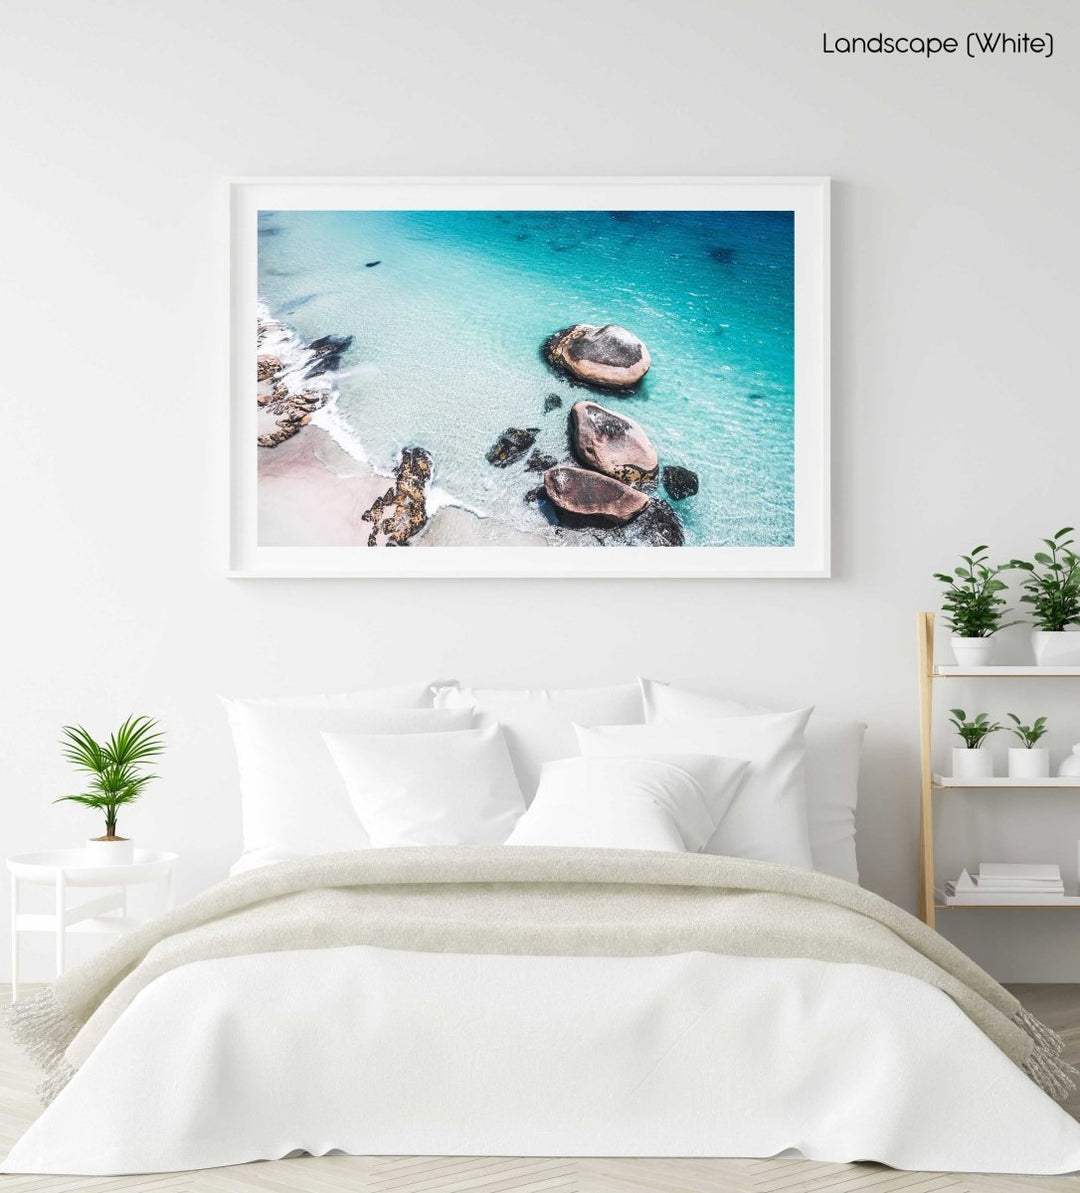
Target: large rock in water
point(584, 498)
point(402, 510)
point(610, 357)
point(612, 443)
point(511, 445)
point(679, 482)
point(657, 526)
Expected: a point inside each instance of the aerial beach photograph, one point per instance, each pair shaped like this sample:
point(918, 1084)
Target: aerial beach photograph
point(568, 379)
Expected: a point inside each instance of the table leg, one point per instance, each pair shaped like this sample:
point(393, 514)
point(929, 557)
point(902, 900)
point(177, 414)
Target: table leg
point(61, 899)
point(14, 938)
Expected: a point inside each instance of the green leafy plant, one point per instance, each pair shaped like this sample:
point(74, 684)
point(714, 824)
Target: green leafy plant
point(974, 732)
point(973, 603)
point(115, 767)
point(1028, 734)
point(1052, 586)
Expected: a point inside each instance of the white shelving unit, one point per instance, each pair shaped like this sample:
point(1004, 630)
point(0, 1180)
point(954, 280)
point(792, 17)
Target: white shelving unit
point(929, 674)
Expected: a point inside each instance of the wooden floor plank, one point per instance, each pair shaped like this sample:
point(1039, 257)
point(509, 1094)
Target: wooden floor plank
point(1058, 1006)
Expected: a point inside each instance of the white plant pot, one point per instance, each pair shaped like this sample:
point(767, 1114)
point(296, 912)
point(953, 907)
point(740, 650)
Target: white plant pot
point(120, 852)
point(972, 652)
point(1029, 764)
point(972, 764)
point(1056, 648)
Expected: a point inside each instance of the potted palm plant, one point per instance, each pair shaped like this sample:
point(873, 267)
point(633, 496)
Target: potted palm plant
point(1052, 589)
point(973, 607)
point(117, 778)
point(970, 761)
point(1029, 760)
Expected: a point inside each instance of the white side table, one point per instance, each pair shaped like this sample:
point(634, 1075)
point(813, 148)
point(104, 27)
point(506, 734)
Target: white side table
point(64, 869)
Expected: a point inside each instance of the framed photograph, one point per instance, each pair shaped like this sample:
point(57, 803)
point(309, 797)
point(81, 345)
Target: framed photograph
point(529, 377)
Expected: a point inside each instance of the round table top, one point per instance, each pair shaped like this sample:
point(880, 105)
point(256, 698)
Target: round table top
point(149, 864)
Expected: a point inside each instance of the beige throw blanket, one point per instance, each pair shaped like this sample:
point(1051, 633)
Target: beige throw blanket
point(526, 901)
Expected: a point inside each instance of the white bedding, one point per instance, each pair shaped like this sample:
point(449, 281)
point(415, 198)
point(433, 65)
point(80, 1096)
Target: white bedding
point(375, 1051)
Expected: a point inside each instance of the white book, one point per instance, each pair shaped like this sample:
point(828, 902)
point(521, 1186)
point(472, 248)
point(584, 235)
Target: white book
point(968, 890)
point(983, 885)
point(1014, 870)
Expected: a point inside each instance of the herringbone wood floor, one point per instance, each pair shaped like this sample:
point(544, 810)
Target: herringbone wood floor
point(1057, 1005)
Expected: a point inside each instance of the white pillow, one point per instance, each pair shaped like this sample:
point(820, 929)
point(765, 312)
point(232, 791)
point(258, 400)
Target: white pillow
point(405, 695)
point(767, 818)
point(672, 803)
point(292, 796)
point(430, 788)
point(539, 722)
point(833, 750)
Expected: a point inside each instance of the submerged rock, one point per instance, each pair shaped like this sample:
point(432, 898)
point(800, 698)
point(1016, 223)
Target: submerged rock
point(511, 445)
point(540, 462)
point(329, 351)
point(609, 357)
point(584, 498)
point(552, 402)
point(402, 510)
point(657, 526)
point(679, 483)
point(612, 443)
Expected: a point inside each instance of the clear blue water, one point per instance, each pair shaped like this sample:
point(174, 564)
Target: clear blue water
point(448, 328)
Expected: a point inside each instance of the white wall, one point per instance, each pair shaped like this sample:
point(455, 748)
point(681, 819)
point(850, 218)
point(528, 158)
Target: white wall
point(956, 412)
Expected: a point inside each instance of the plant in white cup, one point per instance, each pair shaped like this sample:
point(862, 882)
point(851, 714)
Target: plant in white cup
point(117, 778)
point(971, 761)
point(973, 607)
point(1052, 589)
point(1030, 760)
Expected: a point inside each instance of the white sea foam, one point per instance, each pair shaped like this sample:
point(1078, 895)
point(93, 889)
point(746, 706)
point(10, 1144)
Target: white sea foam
point(281, 341)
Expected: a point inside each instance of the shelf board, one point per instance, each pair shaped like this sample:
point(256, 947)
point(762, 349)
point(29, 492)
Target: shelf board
point(950, 671)
point(943, 781)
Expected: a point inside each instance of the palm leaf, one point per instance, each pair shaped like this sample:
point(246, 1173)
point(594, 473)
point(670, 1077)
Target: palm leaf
point(80, 749)
point(134, 742)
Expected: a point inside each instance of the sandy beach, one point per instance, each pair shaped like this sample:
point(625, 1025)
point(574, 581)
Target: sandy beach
point(312, 493)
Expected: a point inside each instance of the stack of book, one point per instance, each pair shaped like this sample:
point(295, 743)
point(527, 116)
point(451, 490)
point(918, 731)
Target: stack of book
point(1007, 882)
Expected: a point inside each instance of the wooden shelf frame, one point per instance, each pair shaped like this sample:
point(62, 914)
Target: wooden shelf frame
point(930, 782)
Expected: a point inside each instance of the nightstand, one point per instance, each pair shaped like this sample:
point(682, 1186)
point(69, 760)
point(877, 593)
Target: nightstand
point(66, 869)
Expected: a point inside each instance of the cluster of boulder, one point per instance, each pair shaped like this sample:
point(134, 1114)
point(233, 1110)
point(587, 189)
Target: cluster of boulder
point(611, 478)
point(290, 410)
point(290, 395)
point(402, 510)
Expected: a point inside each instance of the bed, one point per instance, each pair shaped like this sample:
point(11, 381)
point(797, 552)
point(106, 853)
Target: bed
point(621, 922)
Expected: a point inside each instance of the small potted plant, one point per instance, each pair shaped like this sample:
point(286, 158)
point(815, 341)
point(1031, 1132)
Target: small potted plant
point(117, 778)
point(974, 607)
point(970, 761)
point(1029, 760)
point(1052, 589)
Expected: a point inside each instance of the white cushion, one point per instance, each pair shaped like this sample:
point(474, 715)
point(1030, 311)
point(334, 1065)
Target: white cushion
point(406, 695)
point(292, 796)
point(539, 722)
point(833, 751)
point(430, 788)
point(672, 803)
point(767, 818)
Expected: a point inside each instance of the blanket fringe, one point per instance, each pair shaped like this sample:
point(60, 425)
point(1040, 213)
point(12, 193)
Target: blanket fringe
point(1046, 1065)
point(43, 1030)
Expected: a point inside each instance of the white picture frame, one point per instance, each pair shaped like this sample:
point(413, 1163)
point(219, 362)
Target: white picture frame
point(807, 197)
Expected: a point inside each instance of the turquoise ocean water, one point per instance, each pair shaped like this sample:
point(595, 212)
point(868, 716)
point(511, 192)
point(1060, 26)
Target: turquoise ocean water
point(448, 327)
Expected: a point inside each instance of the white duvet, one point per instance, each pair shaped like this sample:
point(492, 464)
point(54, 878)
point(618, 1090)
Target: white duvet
point(375, 1051)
